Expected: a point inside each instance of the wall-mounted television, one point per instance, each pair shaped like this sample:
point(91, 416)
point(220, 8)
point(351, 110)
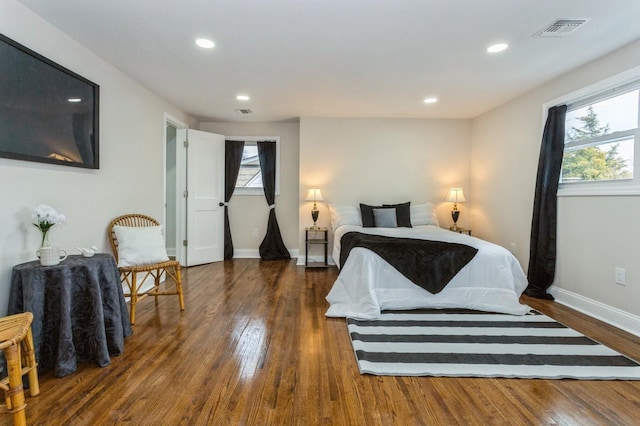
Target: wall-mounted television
point(48, 113)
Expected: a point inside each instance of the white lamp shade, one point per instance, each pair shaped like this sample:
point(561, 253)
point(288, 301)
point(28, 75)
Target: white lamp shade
point(455, 195)
point(314, 194)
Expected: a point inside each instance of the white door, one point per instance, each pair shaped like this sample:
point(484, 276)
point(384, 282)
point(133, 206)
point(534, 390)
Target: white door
point(205, 197)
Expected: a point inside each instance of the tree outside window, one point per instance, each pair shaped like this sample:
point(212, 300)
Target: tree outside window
point(596, 151)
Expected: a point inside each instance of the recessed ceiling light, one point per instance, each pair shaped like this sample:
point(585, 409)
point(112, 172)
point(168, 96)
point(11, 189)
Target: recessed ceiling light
point(74, 100)
point(498, 47)
point(242, 97)
point(431, 100)
point(205, 43)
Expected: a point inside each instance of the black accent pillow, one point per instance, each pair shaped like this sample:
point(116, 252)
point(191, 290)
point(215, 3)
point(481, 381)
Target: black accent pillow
point(367, 215)
point(403, 214)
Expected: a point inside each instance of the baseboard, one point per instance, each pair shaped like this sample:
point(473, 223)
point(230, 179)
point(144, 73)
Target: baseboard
point(255, 253)
point(330, 261)
point(614, 316)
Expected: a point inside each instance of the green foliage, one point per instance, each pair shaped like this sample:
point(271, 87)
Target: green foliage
point(592, 163)
point(590, 127)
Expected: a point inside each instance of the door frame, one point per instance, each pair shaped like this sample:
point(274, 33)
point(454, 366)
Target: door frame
point(181, 184)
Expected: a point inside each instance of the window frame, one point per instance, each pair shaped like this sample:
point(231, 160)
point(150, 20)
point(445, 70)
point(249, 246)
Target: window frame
point(598, 91)
point(253, 140)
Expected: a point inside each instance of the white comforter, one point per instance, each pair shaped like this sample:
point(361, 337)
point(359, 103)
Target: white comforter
point(492, 281)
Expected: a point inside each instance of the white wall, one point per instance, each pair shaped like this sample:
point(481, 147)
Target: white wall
point(131, 171)
point(595, 234)
point(375, 161)
point(248, 212)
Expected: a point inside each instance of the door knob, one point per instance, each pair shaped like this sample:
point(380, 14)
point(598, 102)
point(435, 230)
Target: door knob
point(221, 204)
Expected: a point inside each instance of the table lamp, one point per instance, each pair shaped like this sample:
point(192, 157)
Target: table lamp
point(314, 195)
point(455, 196)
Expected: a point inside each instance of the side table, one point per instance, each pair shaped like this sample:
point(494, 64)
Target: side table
point(461, 230)
point(79, 310)
point(316, 236)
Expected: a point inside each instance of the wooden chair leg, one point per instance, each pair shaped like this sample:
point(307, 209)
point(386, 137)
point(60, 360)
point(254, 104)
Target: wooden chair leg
point(16, 392)
point(134, 298)
point(156, 283)
point(179, 287)
point(29, 355)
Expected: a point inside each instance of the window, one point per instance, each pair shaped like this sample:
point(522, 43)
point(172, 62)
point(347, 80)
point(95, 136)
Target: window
point(601, 135)
point(250, 176)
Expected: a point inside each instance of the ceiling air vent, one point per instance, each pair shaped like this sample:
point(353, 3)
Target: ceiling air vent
point(562, 28)
point(243, 111)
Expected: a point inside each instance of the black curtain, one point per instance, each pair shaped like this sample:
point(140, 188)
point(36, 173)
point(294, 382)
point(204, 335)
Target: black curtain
point(542, 257)
point(232, 160)
point(272, 247)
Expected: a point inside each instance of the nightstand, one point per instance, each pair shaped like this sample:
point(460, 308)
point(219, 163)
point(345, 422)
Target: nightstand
point(319, 236)
point(461, 230)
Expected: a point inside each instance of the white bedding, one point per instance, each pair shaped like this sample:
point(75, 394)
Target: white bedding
point(492, 281)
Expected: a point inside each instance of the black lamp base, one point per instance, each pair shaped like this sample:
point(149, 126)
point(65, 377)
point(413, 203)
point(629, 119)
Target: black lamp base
point(314, 215)
point(455, 214)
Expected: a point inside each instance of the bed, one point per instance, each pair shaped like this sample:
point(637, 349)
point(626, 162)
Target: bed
point(492, 280)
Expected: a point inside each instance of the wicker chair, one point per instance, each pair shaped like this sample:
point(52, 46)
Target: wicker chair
point(16, 341)
point(129, 274)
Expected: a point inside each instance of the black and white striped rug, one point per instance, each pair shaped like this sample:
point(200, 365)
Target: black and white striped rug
point(475, 344)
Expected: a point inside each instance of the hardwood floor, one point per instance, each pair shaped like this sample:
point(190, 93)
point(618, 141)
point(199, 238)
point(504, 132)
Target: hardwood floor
point(254, 348)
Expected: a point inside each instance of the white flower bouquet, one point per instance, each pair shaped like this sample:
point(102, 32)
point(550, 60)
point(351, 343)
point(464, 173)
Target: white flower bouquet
point(44, 217)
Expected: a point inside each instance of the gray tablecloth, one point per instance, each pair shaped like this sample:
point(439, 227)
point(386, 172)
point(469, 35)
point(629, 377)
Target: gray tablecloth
point(79, 311)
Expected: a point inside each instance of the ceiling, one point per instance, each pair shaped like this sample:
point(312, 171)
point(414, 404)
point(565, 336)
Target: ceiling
point(341, 58)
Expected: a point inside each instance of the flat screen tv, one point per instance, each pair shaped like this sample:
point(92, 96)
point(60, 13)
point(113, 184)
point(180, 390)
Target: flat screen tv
point(48, 113)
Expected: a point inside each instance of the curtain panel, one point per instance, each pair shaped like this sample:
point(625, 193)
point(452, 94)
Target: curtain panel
point(272, 247)
point(233, 158)
point(542, 257)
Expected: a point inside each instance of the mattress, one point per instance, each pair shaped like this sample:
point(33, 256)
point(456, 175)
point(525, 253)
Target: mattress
point(492, 281)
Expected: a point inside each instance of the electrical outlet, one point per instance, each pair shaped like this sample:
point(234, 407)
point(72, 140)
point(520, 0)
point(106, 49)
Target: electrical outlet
point(621, 276)
point(255, 232)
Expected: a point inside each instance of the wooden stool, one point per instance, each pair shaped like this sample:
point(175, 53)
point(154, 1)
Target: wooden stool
point(16, 342)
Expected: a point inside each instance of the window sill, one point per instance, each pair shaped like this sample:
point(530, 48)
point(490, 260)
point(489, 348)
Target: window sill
point(599, 189)
point(257, 191)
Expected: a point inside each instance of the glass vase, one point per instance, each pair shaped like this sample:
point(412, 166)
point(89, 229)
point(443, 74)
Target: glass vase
point(45, 239)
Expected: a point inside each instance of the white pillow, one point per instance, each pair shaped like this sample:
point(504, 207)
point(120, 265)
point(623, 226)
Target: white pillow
point(423, 214)
point(140, 245)
point(344, 215)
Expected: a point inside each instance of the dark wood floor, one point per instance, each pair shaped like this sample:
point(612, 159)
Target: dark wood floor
point(254, 348)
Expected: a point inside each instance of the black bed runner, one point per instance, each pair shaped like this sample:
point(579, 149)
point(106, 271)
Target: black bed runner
point(429, 264)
